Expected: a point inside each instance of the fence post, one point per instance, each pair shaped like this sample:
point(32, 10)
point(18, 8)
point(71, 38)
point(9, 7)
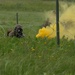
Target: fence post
point(57, 22)
point(17, 18)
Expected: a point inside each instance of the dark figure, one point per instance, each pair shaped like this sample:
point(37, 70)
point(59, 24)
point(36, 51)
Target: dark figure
point(17, 32)
point(47, 23)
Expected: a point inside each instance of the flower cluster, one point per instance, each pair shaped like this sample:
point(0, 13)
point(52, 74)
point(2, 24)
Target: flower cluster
point(49, 32)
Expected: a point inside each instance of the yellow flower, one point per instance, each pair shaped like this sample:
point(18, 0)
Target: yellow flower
point(32, 49)
point(48, 32)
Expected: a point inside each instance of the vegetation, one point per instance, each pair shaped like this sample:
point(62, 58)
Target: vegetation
point(24, 5)
point(29, 55)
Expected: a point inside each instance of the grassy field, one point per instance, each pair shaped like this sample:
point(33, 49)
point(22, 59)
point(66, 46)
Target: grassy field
point(29, 55)
point(26, 5)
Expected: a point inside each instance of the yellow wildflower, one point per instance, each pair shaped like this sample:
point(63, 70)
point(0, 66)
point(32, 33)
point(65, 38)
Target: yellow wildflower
point(32, 49)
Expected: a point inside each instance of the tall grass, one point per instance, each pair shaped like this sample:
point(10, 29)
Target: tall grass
point(24, 5)
point(29, 55)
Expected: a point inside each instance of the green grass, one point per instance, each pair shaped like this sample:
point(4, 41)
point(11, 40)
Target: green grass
point(29, 55)
point(24, 5)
